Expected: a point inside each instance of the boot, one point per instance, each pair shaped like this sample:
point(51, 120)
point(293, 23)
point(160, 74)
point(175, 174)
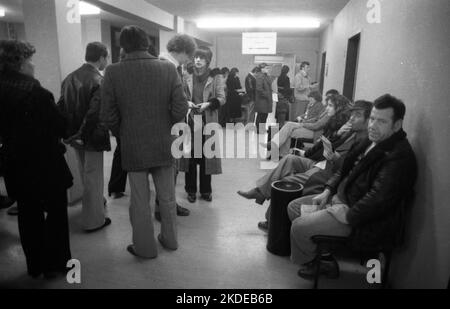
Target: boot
point(253, 194)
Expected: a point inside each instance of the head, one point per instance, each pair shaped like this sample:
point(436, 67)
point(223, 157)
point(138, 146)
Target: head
point(314, 97)
point(285, 70)
point(202, 57)
point(97, 54)
point(182, 47)
point(17, 56)
point(234, 72)
point(133, 39)
point(264, 68)
point(256, 70)
point(225, 72)
point(329, 94)
point(215, 72)
point(337, 105)
point(386, 118)
point(305, 66)
point(360, 114)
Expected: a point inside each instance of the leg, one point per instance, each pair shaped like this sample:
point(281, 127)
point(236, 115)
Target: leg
point(57, 240)
point(191, 177)
point(302, 133)
point(165, 192)
point(261, 119)
point(140, 215)
point(93, 200)
point(283, 137)
point(251, 112)
point(118, 179)
point(31, 221)
point(289, 165)
point(205, 180)
point(303, 228)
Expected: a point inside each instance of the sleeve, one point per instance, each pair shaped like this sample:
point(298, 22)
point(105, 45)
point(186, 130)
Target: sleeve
point(260, 87)
point(109, 110)
point(92, 116)
point(178, 103)
point(219, 98)
point(53, 118)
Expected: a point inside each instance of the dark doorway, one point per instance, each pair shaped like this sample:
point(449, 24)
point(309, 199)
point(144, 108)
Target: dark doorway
point(322, 71)
point(351, 66)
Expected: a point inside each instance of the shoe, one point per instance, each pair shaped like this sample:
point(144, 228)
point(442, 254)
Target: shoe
point(54, 274)
point(117, 195)
point(253, 194)
point(192, 197)
point(6, 202)
point(132, 251)
point(264, 225)
point(329, 269)
point(13, 211)
point(107, 222)
point(207, 197)
point(162, 244)
point(182, 212)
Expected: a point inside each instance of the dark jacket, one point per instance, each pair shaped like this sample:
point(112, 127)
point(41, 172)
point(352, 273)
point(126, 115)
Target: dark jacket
point(263, 97)
point(250, 87)
point(31, 128)
point(80, 103)
point(376, 190)
point(142, 97)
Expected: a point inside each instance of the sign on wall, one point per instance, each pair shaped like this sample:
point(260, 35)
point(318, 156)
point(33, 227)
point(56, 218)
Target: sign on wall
point(259, 43)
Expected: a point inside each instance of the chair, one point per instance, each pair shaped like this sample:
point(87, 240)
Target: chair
point(327, 243)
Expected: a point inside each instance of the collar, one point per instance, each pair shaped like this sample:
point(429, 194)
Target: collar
point(170, 58)
point(138, 55)
point(92, 67)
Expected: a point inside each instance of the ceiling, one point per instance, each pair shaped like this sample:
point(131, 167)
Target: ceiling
point(191, 10)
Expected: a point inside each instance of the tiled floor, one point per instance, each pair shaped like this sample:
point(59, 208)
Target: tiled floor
point(220, 246)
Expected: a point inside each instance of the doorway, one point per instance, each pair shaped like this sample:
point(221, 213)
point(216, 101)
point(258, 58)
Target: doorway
point(322, 71)
point(351, 66)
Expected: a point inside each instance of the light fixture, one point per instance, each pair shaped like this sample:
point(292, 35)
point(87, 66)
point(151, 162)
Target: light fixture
point(248, 23)
point(2, 12)
point(88, 9)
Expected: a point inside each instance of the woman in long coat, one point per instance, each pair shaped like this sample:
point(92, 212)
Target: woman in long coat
point(233, 97)
point(37, 174)
point(207, 93)
point(263, 96)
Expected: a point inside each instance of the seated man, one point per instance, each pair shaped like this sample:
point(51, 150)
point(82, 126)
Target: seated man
point(315, 108)
point(317, 160)
point(364, 198)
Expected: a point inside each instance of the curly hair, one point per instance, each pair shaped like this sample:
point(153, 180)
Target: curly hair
point(342, 106)
point(13, 54)
point(182, 43)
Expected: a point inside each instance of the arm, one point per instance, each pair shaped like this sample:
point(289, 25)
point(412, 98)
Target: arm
point(92, 116)
point(109, 110)
point(318, 125)
point(52, 116)
point(178, 103)
point(261, 88)
point(219, 92)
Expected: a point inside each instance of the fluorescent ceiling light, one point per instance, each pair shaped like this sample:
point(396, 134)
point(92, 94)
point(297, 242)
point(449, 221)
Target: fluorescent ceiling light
point(88, 9)
point(2, 12)
point(246, 23)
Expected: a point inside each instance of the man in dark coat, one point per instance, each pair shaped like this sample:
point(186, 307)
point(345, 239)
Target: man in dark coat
point(366, 198)
point(142, 98)
point(36, 172)
point(80, 102)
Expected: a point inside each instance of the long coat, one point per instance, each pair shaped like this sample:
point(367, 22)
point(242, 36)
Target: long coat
point(142, 98)
point(214, 93)
point(31, 128)
point(263, 94)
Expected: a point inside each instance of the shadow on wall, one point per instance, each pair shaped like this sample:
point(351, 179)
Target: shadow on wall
point(420, 226)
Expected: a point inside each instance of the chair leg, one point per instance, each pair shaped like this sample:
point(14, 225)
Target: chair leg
point(317, 275)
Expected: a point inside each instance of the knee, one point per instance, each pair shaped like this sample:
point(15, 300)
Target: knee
point(299, 229)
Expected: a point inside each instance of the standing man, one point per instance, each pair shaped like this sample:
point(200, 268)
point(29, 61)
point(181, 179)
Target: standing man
point(263, 95)
point(142, 98)
point(181, 49)
point(302, 89)
point(250, 89)
point(80, 103)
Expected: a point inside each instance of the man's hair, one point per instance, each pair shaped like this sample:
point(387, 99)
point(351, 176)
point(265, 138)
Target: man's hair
point(133, 38)
point(13, 54)
point(304, 64)
point(332, 92)
point(94, 51)
point(285, 70)
point(182, 43)
point(389, 101)
point(365, 106)
point(316, 96)
point(225, 70)
point(256, 69)
point(204, 53)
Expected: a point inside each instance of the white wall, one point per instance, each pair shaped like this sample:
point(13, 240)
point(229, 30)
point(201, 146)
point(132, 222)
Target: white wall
point(407, 55)
point(229, 53)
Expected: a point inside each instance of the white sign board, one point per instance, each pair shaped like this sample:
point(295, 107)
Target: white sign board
point(259, 43)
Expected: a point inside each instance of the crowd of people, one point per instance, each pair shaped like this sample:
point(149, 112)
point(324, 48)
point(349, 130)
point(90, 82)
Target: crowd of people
point(358, 170)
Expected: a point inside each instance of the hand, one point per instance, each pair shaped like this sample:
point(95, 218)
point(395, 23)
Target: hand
point(203, 106)
point(339, 211)
point(345, 129)
point(191, 105)
point(328, 154)
point(299, 119)
point(322, 199)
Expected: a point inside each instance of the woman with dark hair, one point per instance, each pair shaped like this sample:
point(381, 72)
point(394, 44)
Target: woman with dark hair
point(36, 171)
point(284, 93)
point(233, 96)
point(335, 116)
